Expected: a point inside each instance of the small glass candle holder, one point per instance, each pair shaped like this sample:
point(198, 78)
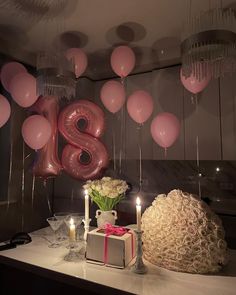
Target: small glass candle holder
point(139, 267)
point(72, 222)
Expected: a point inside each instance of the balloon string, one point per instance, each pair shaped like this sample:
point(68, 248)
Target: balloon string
point(140, 157)
point(197, 146)
point(114, 148)
point(47, 197)
point(165, 152)
point(72, 198)
point(23, 186)
point(122, 126)
point(10, 164)
point(32, 191)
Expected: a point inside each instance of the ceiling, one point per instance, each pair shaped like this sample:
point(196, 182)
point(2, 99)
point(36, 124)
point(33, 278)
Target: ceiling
point(151, 27)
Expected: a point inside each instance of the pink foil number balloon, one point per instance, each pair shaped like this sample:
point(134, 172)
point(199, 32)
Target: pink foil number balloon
point(113, 96)
point(122, 60)
point(79, 58)
point(165, 129)
point(47, 163)
point(9, 71)
point(36, 131)
point(140, 106)
point(23, 89)
point(5, 110)
point(83, 140)
point(192, 84)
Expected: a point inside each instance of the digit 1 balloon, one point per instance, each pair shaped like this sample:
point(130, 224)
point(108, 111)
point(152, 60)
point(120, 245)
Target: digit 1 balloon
point(48, 163)
point(86, 140)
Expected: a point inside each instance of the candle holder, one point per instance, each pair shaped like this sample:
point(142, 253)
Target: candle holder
point(86, 227)
point(86, 222)
point(73, 254)
point(139, 267)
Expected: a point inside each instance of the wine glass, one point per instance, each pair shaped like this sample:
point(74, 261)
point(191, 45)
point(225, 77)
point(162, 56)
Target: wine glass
point(76, 219)
point(54, 224)
point(62, 232)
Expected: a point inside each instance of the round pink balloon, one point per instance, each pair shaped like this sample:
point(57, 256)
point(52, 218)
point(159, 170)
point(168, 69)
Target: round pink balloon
point(113, 96)
point(23, 89)
point(122, 60)
point(79, 58)
point(9, 71)
point(165, 129)
point(140, 106)
point(36, 131)
point(192, 84)
point(5, 110)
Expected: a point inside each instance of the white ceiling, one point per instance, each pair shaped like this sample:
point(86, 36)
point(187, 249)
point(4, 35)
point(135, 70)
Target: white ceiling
point(151, 27)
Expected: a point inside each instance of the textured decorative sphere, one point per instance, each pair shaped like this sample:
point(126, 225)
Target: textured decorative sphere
point(181, 233)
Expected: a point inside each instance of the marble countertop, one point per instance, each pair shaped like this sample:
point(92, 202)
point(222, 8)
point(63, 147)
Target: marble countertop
point(38, 257)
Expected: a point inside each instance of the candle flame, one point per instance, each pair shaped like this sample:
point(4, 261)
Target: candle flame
point(86, 191)
point(138, 201)
point(71, 221)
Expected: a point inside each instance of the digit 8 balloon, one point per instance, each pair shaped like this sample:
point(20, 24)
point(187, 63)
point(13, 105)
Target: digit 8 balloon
point(85, 140)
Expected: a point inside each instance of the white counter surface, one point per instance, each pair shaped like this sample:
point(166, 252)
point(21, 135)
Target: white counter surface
point(38, 256)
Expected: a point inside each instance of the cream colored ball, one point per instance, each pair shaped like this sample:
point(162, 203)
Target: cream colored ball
point(181, 233)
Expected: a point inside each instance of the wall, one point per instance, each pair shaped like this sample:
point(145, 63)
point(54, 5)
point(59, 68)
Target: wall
point(214, 123)
point(24, 203)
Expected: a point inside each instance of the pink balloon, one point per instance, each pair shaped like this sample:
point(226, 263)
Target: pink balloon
point(165, 129)
point(9, 71)
point(5, 110)
point(140, 106)
point(23, 89)
point(122, 60)
point(86, 140)
point(47, 163)
point(36, 131)
point(79, 58)
point(113, 96)
point(192, 84)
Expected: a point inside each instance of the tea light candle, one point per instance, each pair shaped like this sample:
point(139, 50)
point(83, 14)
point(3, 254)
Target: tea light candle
point(138, 213)
point(72, 230)
point(86, 205)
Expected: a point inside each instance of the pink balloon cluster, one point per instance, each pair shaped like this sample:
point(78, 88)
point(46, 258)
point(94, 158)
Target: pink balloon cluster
point(140, 106)
point(21, 85)
point(122, 61)
point(113, 96)
point(5, 110)
point(36, 131)
point(165, 129)
point(192, 84)
point(79, 59)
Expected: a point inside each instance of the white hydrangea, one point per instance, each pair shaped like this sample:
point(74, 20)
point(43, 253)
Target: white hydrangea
point(181, 233)
point(107, 187)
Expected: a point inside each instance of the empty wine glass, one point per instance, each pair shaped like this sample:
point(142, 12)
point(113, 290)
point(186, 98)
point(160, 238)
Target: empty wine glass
point(54, 224)
point(62, 231)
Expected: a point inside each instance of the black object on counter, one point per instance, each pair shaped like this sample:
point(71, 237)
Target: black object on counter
point(20, 238)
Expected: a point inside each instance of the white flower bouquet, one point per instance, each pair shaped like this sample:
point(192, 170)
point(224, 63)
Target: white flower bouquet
point(106, 192)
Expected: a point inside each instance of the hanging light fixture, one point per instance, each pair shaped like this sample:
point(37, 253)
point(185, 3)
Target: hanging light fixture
point(55, 75)
point(209, 43)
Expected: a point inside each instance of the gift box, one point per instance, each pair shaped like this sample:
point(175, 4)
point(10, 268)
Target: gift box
point(112, 246)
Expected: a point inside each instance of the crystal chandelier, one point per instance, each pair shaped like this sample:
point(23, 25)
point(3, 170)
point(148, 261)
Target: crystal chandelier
point(209, 43)
point(55, 75)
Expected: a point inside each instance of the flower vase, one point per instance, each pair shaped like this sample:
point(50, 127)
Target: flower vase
point(104, 217)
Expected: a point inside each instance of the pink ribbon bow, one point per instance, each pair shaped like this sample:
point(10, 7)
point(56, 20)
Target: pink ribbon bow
point(117, 231)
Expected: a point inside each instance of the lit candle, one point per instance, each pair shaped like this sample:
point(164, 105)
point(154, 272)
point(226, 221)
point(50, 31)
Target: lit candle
point(72, 230)
point(86, 205)
point(138, 213)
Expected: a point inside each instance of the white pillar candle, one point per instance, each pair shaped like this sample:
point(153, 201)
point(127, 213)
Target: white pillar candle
point(138, 213)
point(72, 230)
point(86, 205)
